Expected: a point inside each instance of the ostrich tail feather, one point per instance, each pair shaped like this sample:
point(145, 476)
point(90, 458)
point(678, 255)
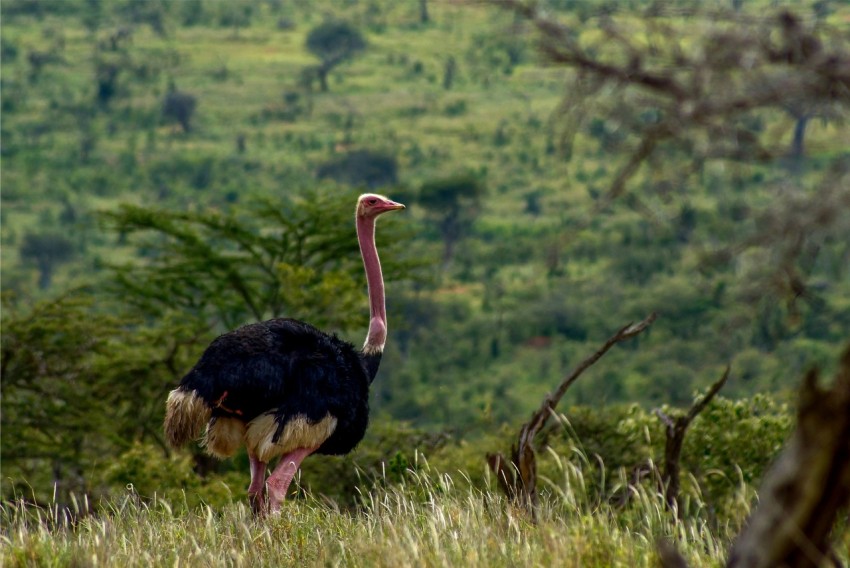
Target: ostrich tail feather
point(186, 415)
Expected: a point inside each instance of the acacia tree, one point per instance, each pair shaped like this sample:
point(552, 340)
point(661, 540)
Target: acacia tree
point(361, 168)
point(179, 106)
point(686, 94)
point(296, 257)
point(455, 203)
point(83, 379)
point(333, 42)
point(46, 251)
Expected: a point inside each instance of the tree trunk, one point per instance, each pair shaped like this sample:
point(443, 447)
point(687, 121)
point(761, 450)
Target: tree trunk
point(796, 154)
point(322, 73)
point(672, 454)
point(675, 430)
point(45, 274)
point(803, 493)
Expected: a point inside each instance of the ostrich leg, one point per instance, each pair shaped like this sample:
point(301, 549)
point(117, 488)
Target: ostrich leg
point(282, 475)
point(257, 489)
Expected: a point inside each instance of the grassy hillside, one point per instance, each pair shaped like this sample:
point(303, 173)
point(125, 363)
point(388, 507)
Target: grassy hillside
point(530, 285)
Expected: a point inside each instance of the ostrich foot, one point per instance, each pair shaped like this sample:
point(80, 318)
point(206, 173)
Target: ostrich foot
point(281, 477)
point(258, 503)
point(257, 489)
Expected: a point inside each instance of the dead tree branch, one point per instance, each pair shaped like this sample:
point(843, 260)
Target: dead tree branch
point(675, 429)
point(518, 478)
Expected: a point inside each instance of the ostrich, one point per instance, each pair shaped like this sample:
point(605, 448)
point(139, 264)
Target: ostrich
point(284, 388)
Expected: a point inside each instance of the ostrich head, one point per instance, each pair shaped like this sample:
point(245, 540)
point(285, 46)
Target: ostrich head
point(370, 205)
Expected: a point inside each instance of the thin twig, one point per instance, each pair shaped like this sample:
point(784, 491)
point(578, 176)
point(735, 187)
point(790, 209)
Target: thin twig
point(539, 418)
point(712, 392)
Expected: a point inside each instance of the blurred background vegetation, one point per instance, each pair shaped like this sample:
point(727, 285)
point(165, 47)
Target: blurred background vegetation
point(171, 170)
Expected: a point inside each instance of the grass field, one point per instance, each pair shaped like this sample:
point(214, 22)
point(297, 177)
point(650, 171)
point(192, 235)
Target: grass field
point(427, 522)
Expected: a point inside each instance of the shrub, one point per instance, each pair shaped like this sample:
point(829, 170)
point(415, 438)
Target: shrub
point(361, 168)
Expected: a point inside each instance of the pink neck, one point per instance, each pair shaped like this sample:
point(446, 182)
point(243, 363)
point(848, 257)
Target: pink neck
point(377, 335)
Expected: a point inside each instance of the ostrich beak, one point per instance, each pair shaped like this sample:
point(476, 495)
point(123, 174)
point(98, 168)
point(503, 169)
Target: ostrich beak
point(391, 206)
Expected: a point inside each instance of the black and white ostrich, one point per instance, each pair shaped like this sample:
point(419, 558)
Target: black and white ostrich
point(284, 388)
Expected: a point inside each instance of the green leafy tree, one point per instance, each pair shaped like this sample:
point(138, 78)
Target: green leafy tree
point(333, 42)
point(361, 168)
point(81, 382)
point(454, 202)
point(154, 13)
point(179, 107)
point(46, 251)
point(296, 257)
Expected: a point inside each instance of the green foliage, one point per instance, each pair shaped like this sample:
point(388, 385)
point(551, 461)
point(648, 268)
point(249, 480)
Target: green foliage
point(79, 385)
point(335, 41)
point(180, 107)
point(390, 454)
point(729, 446)
point(46, 250)
point(266, 260)
point(719, 457)
point(454, 203)
point(361, 168)
point(623, 437)
point(145, 471)
point(56, 401)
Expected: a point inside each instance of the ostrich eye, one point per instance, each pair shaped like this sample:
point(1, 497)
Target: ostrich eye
point(372, 201)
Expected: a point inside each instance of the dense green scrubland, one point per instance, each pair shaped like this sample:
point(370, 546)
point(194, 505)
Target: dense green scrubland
point(156, 153)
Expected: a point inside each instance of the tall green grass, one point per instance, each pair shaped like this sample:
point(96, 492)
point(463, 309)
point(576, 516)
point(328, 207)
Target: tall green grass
point(430, 519)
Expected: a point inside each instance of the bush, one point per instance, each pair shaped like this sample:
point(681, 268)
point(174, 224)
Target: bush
point(179, 107)
point(46, 251)
point(361, 168)
point(148, 473)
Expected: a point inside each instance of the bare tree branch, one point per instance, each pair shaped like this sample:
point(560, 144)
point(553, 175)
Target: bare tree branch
point(547, 408)
point(675, 429)
point(518, 478)
point(712, 392)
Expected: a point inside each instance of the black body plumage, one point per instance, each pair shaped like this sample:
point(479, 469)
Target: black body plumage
point(293, 369)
